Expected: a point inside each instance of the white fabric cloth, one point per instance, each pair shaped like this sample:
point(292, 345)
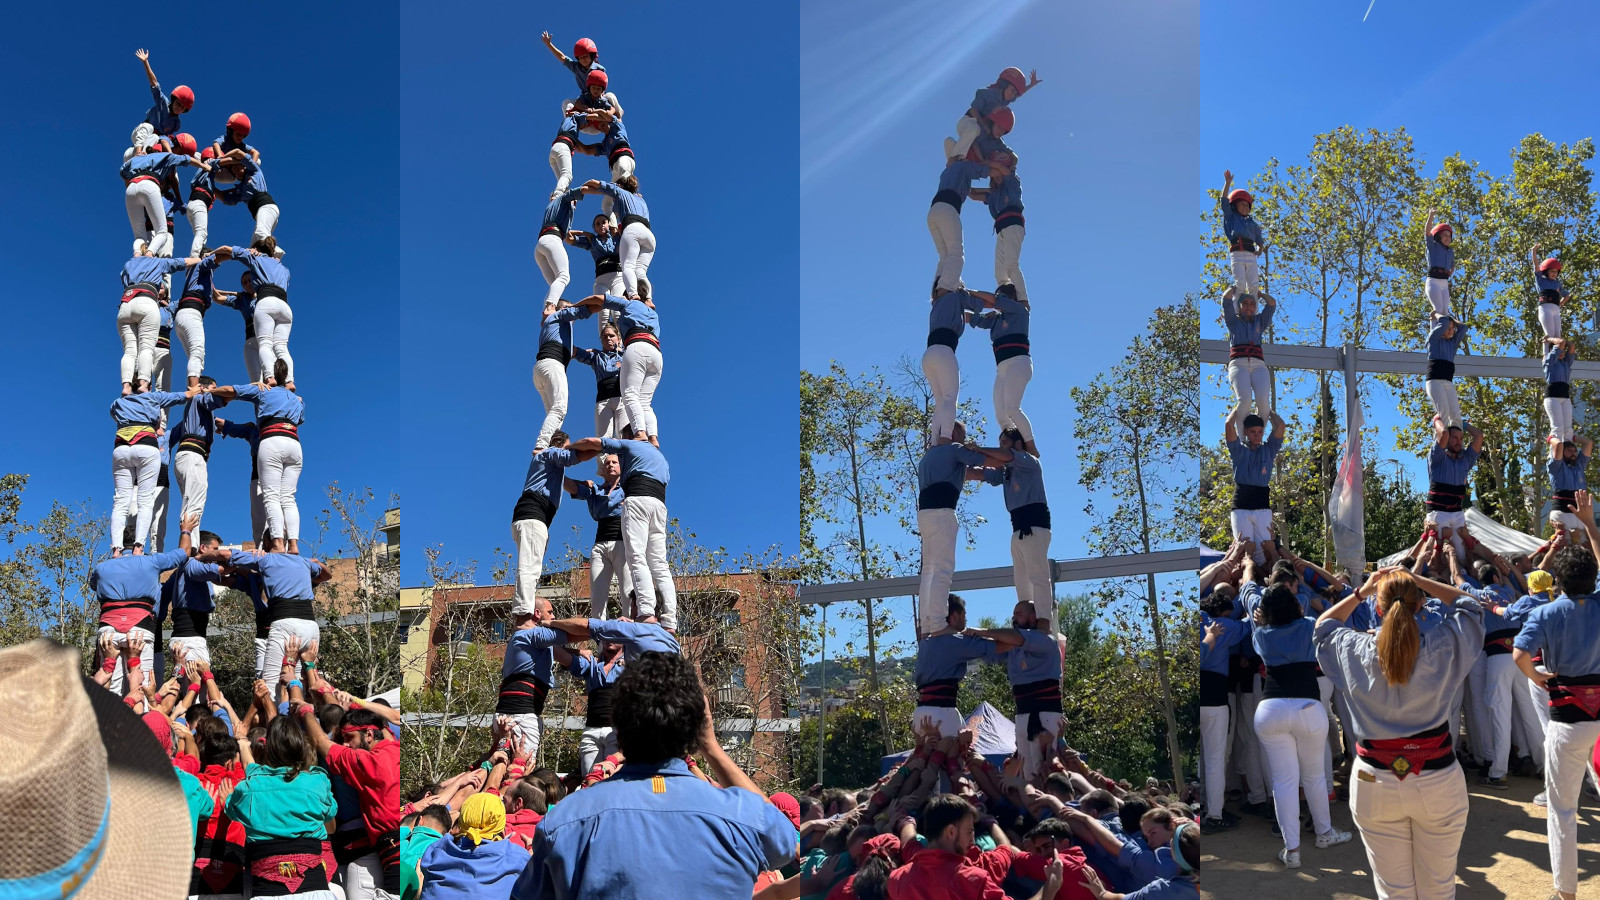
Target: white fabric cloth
point(189, 470)
point(529, 729)
point(279, 461)
point(1442, 394)
point(277, 645)
point(967, 131)
point(530, 537)
point(1438, 291)
point(944, 223)
point(138, 325)
point(635, 249)
point(199, 222)
point(1214, 753)
point(551, 255)
point(1008, 259)
point(1550, 319)
point(943, 374)
point(1033, 755)
point(1411, 828)
point(274, 320)
point(1252, 385)
point(266, 223)
point(1248, 760)
point(937, 528)
point(143, 199)
point(608, 561)
point(644, 534)
point(1493, 680)
point(1011, 377)
point(133, 475)
point(190, 327)
point(1567, 750)
point(1559, 411)
point(595, 744)
point(550, 380)
point(948, 718)
point(640, 375)
point(194, 648)
point(147, 656)
point(561, 166)
point(1031, 571)
point(609, 418)
point(1246, 268)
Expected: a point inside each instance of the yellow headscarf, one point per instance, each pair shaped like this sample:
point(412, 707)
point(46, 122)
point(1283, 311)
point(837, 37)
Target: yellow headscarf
point(483, 818)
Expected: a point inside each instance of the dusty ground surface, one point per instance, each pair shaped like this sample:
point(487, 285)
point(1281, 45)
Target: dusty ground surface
point(1503, 854)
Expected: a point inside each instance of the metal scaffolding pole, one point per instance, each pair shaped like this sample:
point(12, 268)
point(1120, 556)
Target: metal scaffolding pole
point(1159, 562)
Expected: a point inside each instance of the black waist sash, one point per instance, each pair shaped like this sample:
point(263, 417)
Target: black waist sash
point(189, 623)
point(142, 439)
point(148, 607)
point(607, 265)
point(554, 350)
point(279, 609)
point(607, 388)
point(601, 700)
point(533, 505)
point(608, 529)
point(286, 866)
point(276, 426)
point(1296, 680)
point(1014, 345)
point(1242, 244)
point(1560, 390)
point(939, 496)
point(1498, 643)
point(954, 198)
point(271, 290)
point(1446, 497)
point(629, 219)
point(1425, 750)
point(940, 693)
point(1024, 519)
point(258, 200)
point(1011, 215)
point(1034, 698)
point(196, 443)
point(1436, 272)
point(945, 336)
point(1574, 698)
point(1566, 501)
point(1550, 295)
point(637, 485)
point(1252, 496)
point(1213, 688)
point(522, 693)
point(1245, 351)
point(1441, 369)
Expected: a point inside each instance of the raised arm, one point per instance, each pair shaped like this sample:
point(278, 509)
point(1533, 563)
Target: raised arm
point(551, 46)
point(1227, 185)
point(1477, 436)
point(149, 73)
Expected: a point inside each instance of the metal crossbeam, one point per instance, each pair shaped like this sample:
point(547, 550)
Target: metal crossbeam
point(1396, 362)
point(1161, 561)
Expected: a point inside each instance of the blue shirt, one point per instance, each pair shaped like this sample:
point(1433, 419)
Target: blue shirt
point(1567, 632)
point(1557, 365)
point(593, 671)
point(607, 364)
point(528, 652)
point(244, 302)
point(603, 504)
point(635, 315)
point(243, 191)
point(638, 458)
point(160, 115)
point(946, 464)
point(1176, 888)
point(1246, 331)
point(988, 99)
point(545, 472)
point(158, 165)
point(1215, 658)
point(689, 832)
point(958, 177)
point(1441, 347)
point(1525, 605)
point(601, 248)
point(274, 403)
point(246, 431)
point(1493, 595)
point(1253, 465)
point(264, 269)
point(580, 72)
point(1005, 196)
point(628, 203)
point(946, 656)
point(193, 582)
point(1038, 659)
point(635, 637)
point(130, 577)
point(556, 327)
point(558, 212)
point(284, 576)
point(1543, 282)
point(197, 281)
point(199, 420)
point(454, 868)
point(948, 312)
point(1143, 865)
point(1236, 227)
point(148, 270)
point(1565, 476)
point(1007, 322)
point(143, 409)
point(1440, 256)
point(1283, 644)
point(1447, 469)
point(1023, 478)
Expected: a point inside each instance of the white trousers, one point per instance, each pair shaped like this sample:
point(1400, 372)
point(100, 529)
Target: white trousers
point(138, 324)
point(1559, 411)
point(1008, 259)
point(1325, 688)
point(1411, 828)
point(266, 222)
point(1493, 682)
point(158, 517)
point(561, 166)
point(258, 508)
point(529, 729)
point(199, 222)
point(1214, 753)
point(609, 418)
point(967, 131)
point(1246, 268)
point(608, 560)
point(938, 530)
point(278, 644)
point(189, 469)
point(595, 744)
point(1033, 755)
point(1442, 394)
point(274, 320)
point(190, 326)
point(143, 199)
point(530, 537)
point(279, 462)
point(1254, 525)
point(147, 657)
point(1438, 291)
point(1294, 735)
point(133, 475)
point(1455, 521)
point(640, 376)
point(551, 255)
point(161, 371)
point(1031, 571)
point(194, 648)
point(252, 358)
point(550, 380)
point(1550, 319)
point(1530, 709)
point(607, 283)
point(948, 718)
point(144, 135)
point(943, 374)
point(1568, 747)
point(362, 878)
point(1011, 377)
point(644, 534)
point(944, 223)
point(1252, 382)
point(1249, 760)
point(635, 249)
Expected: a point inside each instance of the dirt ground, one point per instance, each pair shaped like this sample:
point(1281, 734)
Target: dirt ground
point(1503, 854)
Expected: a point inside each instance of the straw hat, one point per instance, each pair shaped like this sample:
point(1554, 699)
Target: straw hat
point(89, 790)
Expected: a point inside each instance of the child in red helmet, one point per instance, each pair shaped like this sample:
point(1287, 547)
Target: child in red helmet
point(231, 145)
point(1244, 236)
point(1437, 242)
point(585, 61)
point(975, 121)
point(1547, 278)
point(163, 116)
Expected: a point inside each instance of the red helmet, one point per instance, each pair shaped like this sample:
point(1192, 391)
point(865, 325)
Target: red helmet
point(597, 76)
point(584, 45)
point(1441, 227)
point(208, 153)
point(1551, 265)
point(1240, 194)
point(1003, 120)
point(1013, 76)
point(185, 142)
point(239, 124)
point(182, 94)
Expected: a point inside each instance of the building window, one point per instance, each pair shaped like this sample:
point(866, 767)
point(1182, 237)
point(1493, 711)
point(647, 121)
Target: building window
point(736, 677)
point(498, 630)
point(730, 618)
point(461, 634)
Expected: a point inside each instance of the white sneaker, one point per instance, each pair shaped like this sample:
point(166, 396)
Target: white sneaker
point(1333, 838)
point(1289, 858)
point(1541, 800)
point(949, 147)
point(279, 253)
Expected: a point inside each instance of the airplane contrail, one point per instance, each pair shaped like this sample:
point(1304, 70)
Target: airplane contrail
point(1369, 10)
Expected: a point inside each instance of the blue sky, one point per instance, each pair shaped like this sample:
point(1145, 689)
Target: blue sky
point(1485, 75)
point(710, 109)
point(325, 118)
point(1108, 146)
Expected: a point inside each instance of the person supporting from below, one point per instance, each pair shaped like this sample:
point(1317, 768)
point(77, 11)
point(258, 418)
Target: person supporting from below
point(1252, 460)
point(288, 585)
point(608, 557)
point(1248, 321)
point(602, 246)
point(1444, 339)
point(1567, 478)
point(1407, 792)
point(550, 367)
point(944, 216)
point(636, 243)
point(723, 836)
point(1438, 246)
point(947, 318)
point(1004, 199)
point(1450, 464)
point(1492, 681)
point(525, 674)
point(127, 587)
point(1559, 355)
point(279, 455)
point(599, 673)
point(610, 419)
point(1007, 323)
point(644, 477)
point(136, 464)
point(639, 373)
point(1245, 239)
point(1223, 633)
point(188, 594)
point(942, 660)
point(634, 637)
point(1023, 480)
point(190, 439)
point(1033, 665)
point(944, 468)
point(535, 510)
point(139, 314)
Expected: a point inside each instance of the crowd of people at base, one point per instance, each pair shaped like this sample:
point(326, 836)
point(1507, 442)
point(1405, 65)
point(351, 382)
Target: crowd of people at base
point(299, 796)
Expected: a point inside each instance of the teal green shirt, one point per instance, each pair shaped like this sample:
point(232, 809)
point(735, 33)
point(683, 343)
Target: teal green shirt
point(270, 806)
point(413, 843)
point(200, 802)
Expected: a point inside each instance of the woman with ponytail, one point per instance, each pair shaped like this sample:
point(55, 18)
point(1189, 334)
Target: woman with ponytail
point(477, 861)
point(1408, 794)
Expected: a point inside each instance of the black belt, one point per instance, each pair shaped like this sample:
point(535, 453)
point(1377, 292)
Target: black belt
point(940, 693)
point(607, 265)
point(1242, 244)
point(954, 198)
point(289, 608)
point(203, 195)
point(608, 388)
point(1028, 517)
point(1292, 680)
point(644, 486)
point(1213, 688)
point(939, 496)
point(1014, 345)
point(1566, 501)
point(271, 290)
point(608, 529)
point(190, 301)
point(1574, 698)
point(534, 505)
point(260, 199)
point(629, 219)
point(947, 337)
point(286, 867)
point(1251, 496)
point(1011, 215)
point(641, 333)
point(1498, 643)
point(1558, 390)
point(1441, 370)
point(1549, 295)
point(601, 699)
point(1444, 497)
point(1436, 272)
point(522, 693)
point(142, 289)
point(554, 350)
